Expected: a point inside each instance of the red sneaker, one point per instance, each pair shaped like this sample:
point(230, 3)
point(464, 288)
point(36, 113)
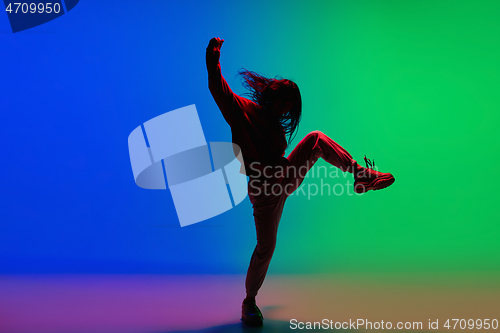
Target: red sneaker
point(366, 179)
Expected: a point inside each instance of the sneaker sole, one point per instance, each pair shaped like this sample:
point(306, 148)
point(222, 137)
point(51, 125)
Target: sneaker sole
point(377, 184)
point(256, 323)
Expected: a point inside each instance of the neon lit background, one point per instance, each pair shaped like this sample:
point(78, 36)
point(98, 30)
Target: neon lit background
point(413, 85)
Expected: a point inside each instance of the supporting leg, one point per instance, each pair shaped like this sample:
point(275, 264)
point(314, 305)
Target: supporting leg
point(267, 214)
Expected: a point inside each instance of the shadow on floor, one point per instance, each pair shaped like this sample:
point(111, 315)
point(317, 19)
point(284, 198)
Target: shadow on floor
point(270, 326)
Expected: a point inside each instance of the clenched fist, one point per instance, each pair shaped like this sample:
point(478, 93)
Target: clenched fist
point(213, 52)
point(215, 44)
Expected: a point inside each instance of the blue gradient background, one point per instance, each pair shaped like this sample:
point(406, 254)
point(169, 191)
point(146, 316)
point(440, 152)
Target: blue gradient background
point(382, 78)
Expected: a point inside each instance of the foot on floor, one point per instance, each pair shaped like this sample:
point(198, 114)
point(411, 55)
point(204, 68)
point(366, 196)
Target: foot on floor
point(250, 314)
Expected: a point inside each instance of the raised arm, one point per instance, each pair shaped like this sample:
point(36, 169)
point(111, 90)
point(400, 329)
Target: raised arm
point(228, 102)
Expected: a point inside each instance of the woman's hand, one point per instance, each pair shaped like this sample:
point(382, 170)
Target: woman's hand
point(215, 44)
point(213, 53)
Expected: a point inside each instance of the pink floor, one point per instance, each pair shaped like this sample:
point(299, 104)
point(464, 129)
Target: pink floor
point(211, 303)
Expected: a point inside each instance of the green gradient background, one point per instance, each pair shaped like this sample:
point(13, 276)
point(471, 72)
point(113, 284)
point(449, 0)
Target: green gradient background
point(412, 84)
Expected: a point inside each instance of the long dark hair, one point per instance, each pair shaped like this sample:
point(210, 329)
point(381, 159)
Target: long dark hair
point(266, 91)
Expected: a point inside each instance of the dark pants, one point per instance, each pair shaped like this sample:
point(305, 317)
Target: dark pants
point(268, 196)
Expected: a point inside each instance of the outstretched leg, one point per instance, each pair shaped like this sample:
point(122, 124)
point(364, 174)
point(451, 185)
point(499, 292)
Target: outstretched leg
point(313, 146)
point(317, 144)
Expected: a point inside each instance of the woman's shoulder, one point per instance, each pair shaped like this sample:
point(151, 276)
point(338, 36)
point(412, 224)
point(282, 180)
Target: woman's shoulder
point(250, 108)
point(250, 104)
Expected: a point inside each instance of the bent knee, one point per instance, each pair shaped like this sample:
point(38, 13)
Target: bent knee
point(314, 135)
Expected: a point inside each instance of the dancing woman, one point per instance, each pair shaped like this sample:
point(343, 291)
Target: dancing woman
point(263, 128)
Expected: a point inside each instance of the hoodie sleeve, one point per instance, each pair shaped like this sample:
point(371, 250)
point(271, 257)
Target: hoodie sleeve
point(230, 104)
